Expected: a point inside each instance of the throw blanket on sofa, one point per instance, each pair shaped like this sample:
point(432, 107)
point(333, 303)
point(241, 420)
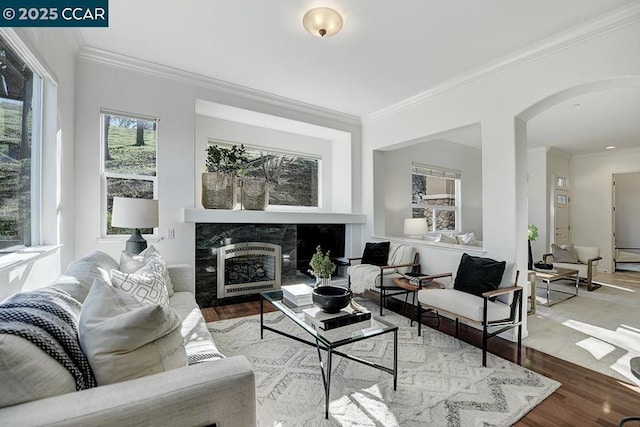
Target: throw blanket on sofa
point(49, 319)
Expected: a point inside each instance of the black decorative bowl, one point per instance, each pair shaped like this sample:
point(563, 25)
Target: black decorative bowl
point(543, 265)
point(331, 299)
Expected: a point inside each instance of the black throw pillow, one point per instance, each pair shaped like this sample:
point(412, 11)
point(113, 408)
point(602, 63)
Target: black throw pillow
point(376, 253)
point(477, 275)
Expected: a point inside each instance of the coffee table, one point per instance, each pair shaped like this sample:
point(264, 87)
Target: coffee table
point(556, 274)
point(332, 339)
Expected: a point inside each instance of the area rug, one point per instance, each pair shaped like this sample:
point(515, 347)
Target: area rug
point(441, 381)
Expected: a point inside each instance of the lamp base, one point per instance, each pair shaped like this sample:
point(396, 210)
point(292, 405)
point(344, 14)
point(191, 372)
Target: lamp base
point(136, 242)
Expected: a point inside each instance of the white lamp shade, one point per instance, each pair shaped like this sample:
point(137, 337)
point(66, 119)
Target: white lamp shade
point(415, 226)
point(134, 213)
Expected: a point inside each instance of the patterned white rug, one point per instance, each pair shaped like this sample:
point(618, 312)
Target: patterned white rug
point(441, 381)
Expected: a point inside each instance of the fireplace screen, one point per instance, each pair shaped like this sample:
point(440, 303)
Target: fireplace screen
point(248, 268)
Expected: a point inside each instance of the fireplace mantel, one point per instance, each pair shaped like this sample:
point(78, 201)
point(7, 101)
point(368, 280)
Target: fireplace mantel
point(270, 217)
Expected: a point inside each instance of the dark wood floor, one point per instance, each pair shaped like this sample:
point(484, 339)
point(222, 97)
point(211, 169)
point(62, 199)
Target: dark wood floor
point(586, 398)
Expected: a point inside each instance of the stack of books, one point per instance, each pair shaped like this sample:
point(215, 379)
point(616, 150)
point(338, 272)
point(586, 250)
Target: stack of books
point(326, 321)
point(297, 295)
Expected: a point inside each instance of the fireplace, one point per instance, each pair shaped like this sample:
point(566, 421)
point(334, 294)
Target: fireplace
point(248, 268)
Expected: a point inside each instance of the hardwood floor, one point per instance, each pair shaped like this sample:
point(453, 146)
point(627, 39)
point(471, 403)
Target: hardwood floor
point(585, 398)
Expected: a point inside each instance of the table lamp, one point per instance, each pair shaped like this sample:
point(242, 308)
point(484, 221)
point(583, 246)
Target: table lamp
point(415, 227)
point(136, 214)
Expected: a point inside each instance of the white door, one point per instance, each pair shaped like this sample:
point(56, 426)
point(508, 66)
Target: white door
point(561, 217)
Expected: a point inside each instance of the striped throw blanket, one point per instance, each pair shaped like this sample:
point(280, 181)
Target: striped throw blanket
point(49, 319)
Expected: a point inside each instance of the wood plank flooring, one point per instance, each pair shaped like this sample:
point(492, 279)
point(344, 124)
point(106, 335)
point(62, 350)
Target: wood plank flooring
point(586, 398)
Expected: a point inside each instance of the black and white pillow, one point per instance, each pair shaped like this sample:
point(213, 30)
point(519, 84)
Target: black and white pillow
point(147, 284)
point(130, 263)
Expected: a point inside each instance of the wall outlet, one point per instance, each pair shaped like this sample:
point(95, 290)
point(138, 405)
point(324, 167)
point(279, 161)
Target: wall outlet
point(171, 233)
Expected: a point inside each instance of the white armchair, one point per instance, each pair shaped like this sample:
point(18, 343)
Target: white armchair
point(587, 258)
point(401, 259)
point(499, 308)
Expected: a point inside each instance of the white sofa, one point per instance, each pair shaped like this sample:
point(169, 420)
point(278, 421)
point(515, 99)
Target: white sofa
point(220, 392)
point(587, 264)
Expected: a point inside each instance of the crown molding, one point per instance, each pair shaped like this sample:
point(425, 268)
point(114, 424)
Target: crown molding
point(579, 34)
point(175, 74)
point(608, 153)
point(74, 38)
point(20, 43)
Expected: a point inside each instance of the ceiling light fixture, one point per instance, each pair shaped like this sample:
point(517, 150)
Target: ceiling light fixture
point(610, 147)
point(322, 22)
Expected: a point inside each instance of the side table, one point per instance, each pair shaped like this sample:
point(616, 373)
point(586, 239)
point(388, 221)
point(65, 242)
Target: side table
point(424, 282)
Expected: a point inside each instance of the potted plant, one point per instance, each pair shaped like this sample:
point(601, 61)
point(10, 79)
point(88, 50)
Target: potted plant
point(322, 267)
point(532, 234)
point(223, 165)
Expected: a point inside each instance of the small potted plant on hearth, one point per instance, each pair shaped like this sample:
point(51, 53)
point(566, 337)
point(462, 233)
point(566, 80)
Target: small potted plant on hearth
point(223, 165)
point(322, 267)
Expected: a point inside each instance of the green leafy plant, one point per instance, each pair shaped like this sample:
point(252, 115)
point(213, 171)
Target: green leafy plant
point(232, 159)
point(321, 265)
point(532, 232)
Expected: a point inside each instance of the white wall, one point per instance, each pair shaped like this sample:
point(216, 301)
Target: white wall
point(127, 85)
point(224, 130)
point(538, 200)
point(591, 190)
point(445, 154)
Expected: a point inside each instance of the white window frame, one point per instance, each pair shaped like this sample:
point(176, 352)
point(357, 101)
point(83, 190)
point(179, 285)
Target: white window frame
point(442, 173)
point(104, 175)
point(42, 75)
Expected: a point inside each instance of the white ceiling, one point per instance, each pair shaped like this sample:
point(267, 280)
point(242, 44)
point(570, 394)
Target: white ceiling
point(589, 123)
point(387, 51)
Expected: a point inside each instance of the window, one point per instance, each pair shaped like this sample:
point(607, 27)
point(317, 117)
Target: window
point(293, 177)
point(436, 197)
point(20, 117)
point(129, 147)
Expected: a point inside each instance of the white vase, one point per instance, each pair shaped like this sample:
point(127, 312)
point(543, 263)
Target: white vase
point(323, 281)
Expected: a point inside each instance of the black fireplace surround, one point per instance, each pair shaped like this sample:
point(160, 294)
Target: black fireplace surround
point(298, 243)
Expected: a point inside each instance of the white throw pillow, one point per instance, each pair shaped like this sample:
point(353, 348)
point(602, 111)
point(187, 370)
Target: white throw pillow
point(125, 339)
point(130, 263)
point(445, 238)
point(147, 284)
point(468, 239)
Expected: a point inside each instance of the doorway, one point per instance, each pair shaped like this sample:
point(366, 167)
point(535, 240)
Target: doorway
point(561, 202)
point(626, 214)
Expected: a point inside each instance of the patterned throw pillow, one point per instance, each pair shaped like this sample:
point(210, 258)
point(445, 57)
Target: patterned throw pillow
point(130, 263)
point(147, 284)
